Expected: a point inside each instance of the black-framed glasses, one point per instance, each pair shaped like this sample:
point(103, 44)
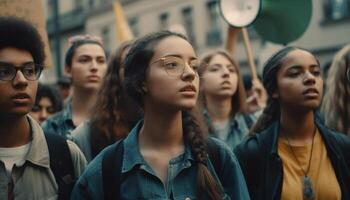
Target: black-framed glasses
point(175, 66)
point(30, 71)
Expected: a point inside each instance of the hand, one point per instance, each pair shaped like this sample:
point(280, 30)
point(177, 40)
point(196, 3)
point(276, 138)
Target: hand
point(259, 93)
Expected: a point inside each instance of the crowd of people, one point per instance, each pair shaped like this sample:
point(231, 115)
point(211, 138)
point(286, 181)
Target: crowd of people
point(156, 120)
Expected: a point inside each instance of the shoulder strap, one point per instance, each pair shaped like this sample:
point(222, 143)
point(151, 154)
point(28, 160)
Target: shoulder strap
point(214, 157)
point(111, 171)
point(61, 164)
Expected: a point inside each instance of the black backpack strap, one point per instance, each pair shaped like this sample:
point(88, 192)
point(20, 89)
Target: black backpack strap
point(61, 164)
point(111, 171)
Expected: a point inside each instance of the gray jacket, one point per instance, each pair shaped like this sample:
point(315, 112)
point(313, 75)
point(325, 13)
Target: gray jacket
point(35, 180)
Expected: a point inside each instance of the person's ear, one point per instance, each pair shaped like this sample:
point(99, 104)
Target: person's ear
point(144, 88)
point(68, 71)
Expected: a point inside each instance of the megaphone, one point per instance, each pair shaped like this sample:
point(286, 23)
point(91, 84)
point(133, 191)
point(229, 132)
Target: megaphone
point(239, 13)
point(278, 21)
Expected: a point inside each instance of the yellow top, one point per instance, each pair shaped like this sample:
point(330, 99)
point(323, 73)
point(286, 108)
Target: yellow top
point(324, 181)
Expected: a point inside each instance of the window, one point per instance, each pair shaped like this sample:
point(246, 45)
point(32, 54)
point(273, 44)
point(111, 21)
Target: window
point(134, 26)
point(78, 4)
point(164, 21)
point(91, 3)
point(213, 36)
point(187, 14)
point(106, 40)
point(335, 10)
point(50, 9)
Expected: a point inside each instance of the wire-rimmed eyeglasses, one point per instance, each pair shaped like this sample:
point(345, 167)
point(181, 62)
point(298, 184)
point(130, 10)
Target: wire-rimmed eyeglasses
point(175, 66)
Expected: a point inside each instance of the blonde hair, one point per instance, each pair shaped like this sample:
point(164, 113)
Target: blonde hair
point(336, 102)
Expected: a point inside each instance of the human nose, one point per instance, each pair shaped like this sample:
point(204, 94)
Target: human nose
point(188, 72)
point(309, 78)
point(94, 65)
point(19, 78)
point(225, 71)
point(43, 115)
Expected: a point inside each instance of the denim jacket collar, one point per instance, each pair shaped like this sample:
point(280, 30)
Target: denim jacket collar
point(233, 120)
point(132, 155)
point(67, 115)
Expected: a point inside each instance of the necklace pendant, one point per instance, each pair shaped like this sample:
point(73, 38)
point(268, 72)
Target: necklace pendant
point(308, 191)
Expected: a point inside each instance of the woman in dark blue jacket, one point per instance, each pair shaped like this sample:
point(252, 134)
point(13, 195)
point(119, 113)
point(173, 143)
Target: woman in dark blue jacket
point(166, 155)
point(290, 153)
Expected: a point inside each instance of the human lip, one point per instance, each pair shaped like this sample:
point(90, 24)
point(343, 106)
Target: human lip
point(21, 98)
point(189, 88)
point(311, 92)
point(226, 83)
point(93, 78)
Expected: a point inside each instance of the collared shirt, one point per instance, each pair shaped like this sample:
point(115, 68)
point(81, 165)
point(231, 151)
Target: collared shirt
point(141, 182)
point(238, 128)
point(61, 123)
point(35, 180)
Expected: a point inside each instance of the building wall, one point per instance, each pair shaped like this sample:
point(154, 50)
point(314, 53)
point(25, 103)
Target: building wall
point(323, 36)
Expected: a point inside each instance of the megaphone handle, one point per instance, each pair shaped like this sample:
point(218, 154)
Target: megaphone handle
point(231, 39)
point(249, 52)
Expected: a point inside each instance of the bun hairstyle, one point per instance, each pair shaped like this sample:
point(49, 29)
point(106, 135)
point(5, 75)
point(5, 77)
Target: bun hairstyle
point(136, 64)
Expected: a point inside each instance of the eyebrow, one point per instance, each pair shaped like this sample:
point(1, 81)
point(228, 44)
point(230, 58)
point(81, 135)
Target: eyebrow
point(179, 56)
point(300, 67)
point(25, 63)
point(91, 56)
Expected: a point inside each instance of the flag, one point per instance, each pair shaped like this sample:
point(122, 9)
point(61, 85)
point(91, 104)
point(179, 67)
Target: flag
point(122, 27)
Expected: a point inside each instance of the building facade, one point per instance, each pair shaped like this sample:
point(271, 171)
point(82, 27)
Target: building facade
point(328, 30)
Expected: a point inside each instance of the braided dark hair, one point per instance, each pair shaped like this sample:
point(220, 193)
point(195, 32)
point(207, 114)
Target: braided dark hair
point(136, 64)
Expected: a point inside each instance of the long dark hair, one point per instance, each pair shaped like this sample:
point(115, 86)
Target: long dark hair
point(113, 115)
point(272, 111)
point(136, 65)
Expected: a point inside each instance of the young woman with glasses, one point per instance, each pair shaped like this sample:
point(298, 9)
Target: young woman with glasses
point(166, 154)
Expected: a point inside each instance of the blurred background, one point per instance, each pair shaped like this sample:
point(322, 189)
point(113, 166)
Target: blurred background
point(328, 31)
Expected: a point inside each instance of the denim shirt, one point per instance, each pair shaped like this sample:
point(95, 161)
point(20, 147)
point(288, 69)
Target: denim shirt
point(141, 182)
point(61, 123)
point(238, 128)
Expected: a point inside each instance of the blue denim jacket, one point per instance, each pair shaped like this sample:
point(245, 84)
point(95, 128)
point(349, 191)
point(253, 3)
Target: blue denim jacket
point(61, 123)
point(238, 128)
point(141, 182)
